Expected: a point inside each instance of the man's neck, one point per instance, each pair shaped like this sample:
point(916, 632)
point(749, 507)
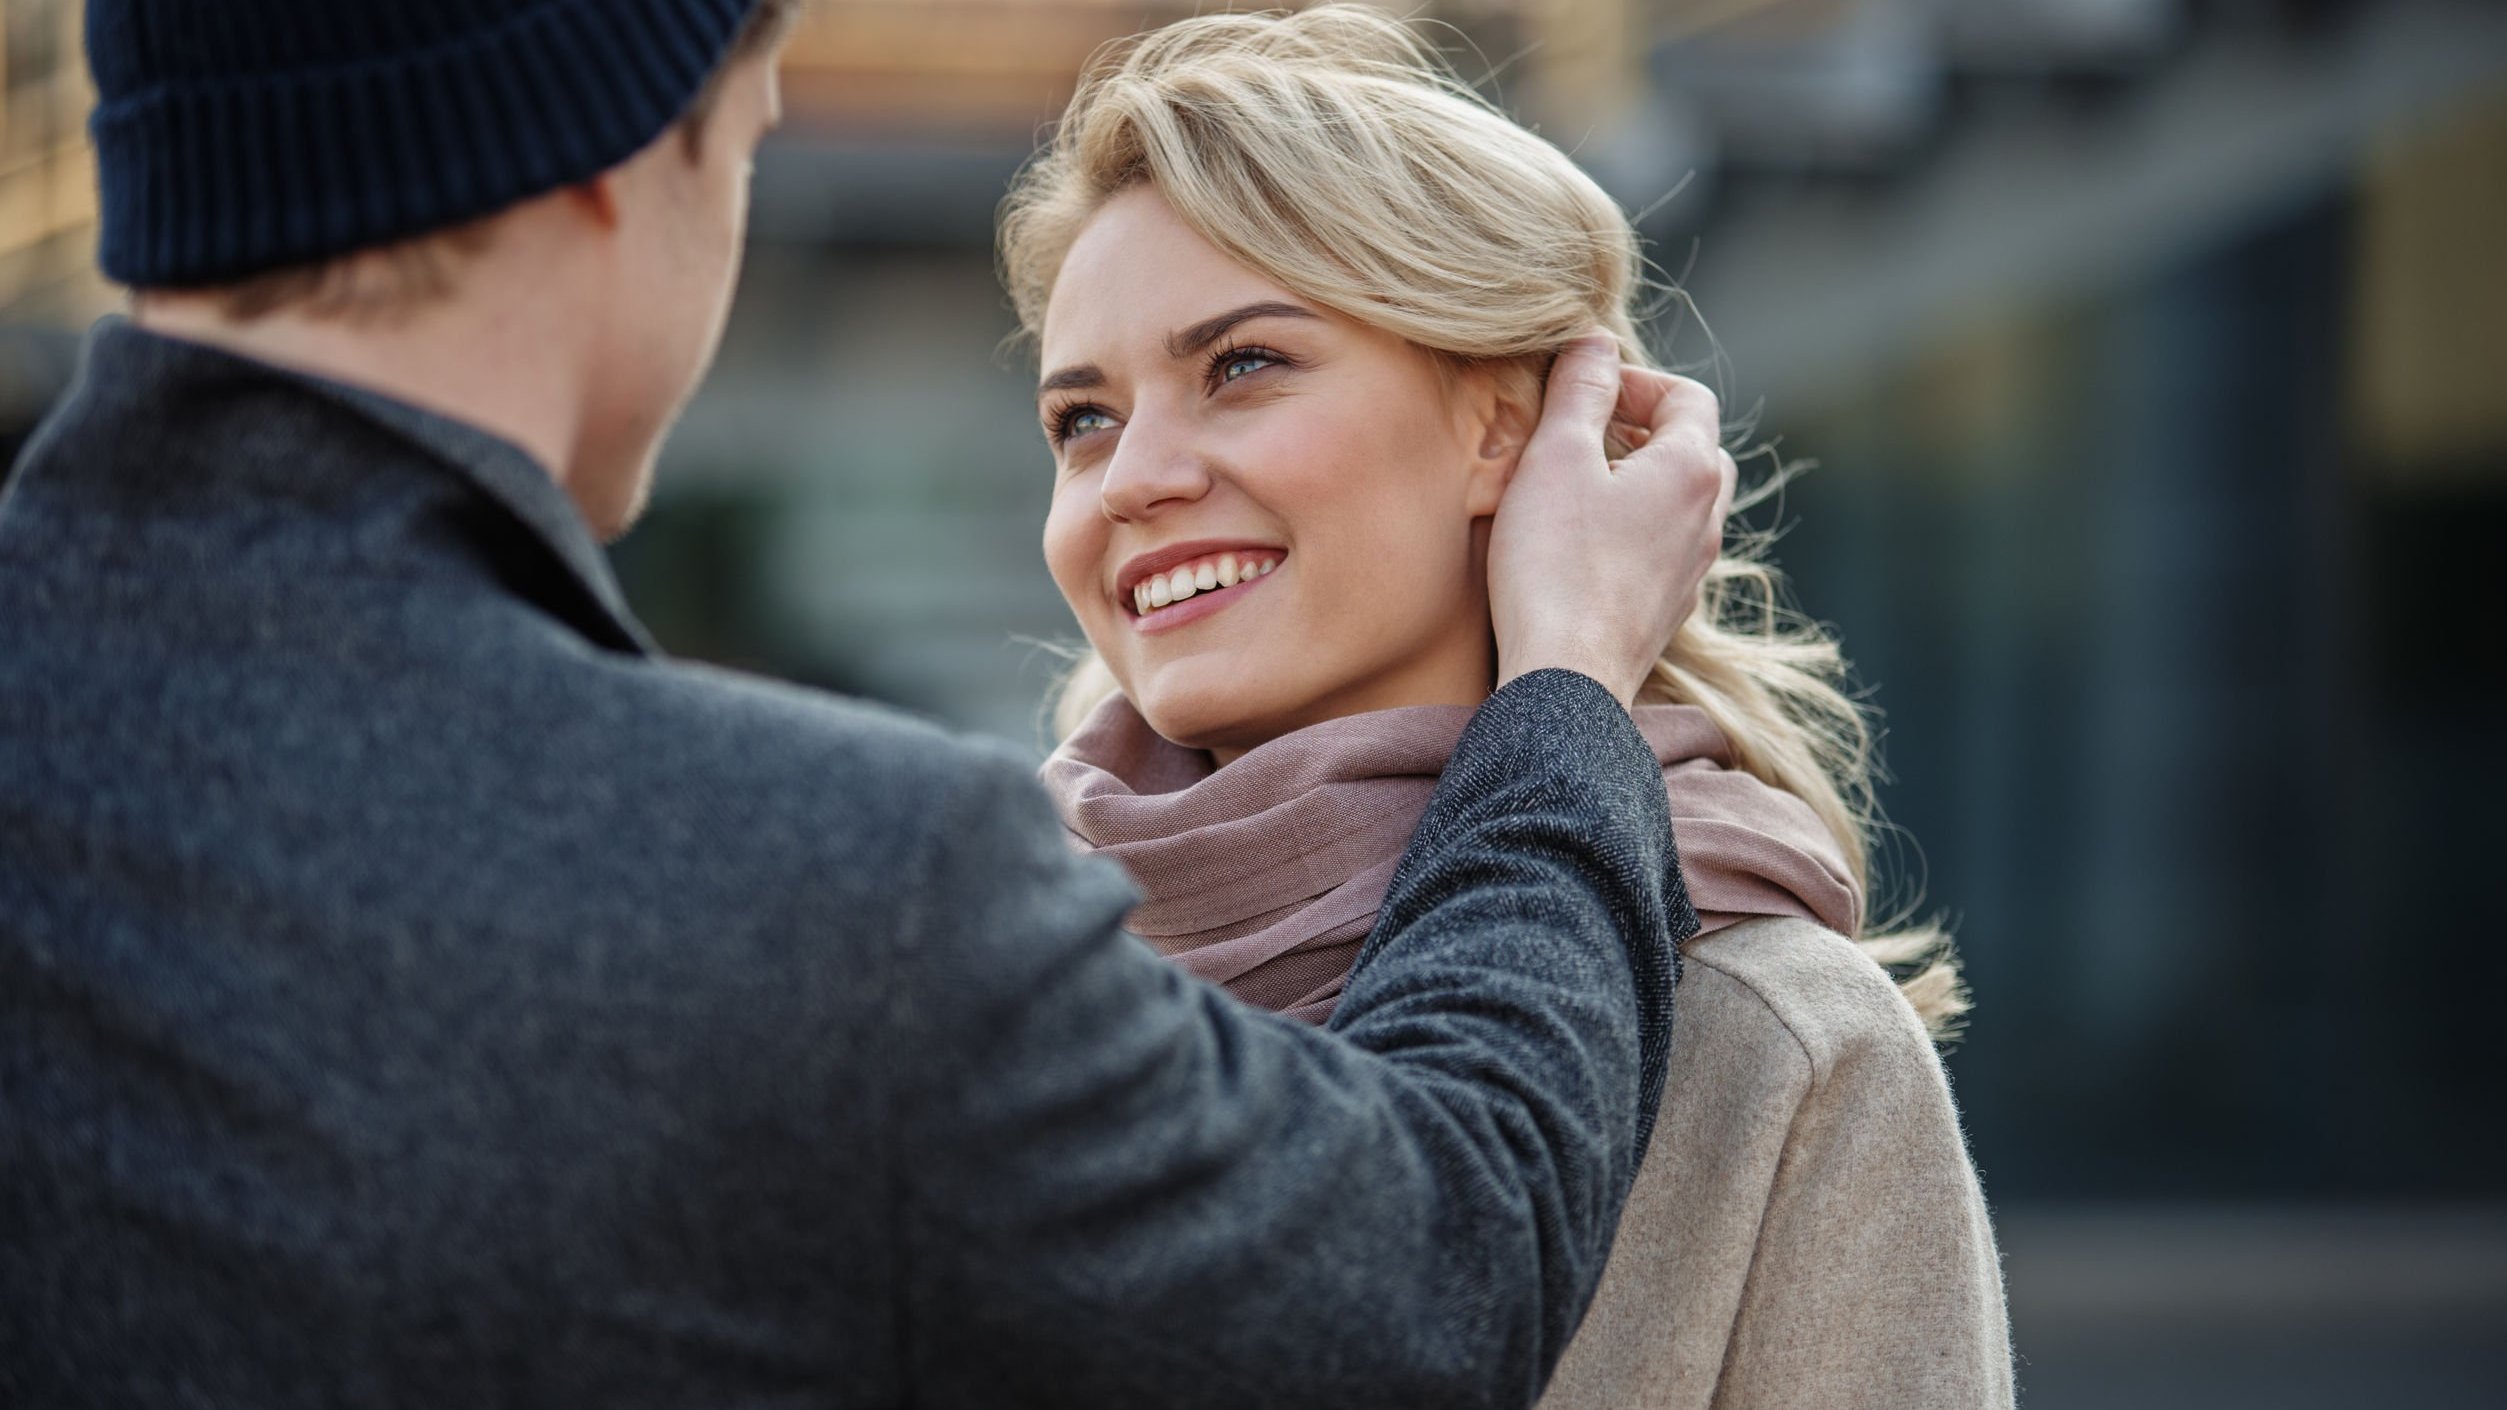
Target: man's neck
point(455, 359)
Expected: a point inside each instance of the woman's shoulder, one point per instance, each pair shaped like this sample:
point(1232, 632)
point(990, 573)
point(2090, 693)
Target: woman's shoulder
point(1803, 986)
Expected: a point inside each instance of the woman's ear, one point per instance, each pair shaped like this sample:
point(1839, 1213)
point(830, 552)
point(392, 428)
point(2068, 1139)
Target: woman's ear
point(1504, 407)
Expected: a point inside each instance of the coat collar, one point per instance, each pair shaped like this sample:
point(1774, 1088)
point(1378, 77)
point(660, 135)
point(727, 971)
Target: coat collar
point(130, 375)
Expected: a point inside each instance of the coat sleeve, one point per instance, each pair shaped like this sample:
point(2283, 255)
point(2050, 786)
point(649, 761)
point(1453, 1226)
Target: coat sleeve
point(1120, 1187)
point(1875, 1281)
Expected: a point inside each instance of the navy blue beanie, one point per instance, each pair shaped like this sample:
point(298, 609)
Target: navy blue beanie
point(238, 136)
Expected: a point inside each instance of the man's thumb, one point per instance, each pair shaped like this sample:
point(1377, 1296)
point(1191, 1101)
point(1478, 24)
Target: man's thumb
point(1576, 405)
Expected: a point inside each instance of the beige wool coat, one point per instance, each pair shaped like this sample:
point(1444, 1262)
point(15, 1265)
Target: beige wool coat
point(1807, 1230)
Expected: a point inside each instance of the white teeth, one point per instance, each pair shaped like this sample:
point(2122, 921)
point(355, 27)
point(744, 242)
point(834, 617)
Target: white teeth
point(1227, 570)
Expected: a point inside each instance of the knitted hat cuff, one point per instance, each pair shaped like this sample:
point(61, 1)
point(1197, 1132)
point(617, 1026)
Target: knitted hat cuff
point(215, 179)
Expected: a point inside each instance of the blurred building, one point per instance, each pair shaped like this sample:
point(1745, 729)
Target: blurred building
point(48, 280)
point(47, 175)
point(2154, 357)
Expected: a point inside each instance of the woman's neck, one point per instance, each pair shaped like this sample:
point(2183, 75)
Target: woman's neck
point(1466, 688)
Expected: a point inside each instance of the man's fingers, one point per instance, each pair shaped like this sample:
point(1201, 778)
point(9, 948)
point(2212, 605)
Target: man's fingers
point(1688, 473)
point(1666, 401)
point(1584, 386)
point(1576, 531)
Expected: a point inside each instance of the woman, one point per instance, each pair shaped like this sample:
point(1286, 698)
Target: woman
point(1294, 291)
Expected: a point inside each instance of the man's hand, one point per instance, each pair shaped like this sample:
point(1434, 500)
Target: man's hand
point(1594, 563)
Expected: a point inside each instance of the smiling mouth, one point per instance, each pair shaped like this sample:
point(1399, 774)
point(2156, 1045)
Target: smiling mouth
point(1163, 592)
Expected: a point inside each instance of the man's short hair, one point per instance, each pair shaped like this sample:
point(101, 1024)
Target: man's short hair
point(389, 281)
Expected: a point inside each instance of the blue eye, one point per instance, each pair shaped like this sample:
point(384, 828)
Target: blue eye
point(1079, 420)
point(1241, 360)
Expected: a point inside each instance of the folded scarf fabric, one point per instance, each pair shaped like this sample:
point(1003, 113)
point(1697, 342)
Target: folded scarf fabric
point(1265, 876)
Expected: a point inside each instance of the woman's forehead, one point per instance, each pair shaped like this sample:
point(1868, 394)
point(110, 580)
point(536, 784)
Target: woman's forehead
point(1137, 272)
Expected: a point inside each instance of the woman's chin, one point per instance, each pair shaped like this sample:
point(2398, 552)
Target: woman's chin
point(1211, 718)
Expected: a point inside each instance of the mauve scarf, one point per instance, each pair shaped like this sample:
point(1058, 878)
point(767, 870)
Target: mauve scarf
point(1265, 876)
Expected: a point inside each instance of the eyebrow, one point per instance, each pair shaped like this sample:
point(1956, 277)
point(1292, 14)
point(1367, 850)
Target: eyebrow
point(1085, 375)
point(1182, 343)
point(1186, 342)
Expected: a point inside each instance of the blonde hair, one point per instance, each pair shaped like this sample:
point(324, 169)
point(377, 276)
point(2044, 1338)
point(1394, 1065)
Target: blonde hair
point(1334, 152)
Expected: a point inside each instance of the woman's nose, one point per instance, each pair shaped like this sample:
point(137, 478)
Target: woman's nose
point(1151, 470)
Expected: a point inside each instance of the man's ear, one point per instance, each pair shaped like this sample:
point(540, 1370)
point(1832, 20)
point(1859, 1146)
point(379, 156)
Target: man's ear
point(1504, 408)
point(600, 198)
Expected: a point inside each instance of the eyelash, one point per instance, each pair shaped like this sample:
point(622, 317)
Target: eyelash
point(1218, 361)
point(1213, 369)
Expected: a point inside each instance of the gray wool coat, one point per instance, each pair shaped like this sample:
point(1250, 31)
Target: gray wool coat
point(415, 990)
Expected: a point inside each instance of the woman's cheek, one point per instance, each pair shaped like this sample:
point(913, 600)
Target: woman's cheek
point(1071, 553)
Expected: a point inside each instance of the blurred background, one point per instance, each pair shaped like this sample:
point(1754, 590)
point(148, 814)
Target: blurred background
point(2153, 355)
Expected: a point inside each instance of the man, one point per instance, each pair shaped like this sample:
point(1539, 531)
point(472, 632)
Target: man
point(415, 990)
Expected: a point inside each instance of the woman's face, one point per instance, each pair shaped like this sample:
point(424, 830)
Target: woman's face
point(1264, 515)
